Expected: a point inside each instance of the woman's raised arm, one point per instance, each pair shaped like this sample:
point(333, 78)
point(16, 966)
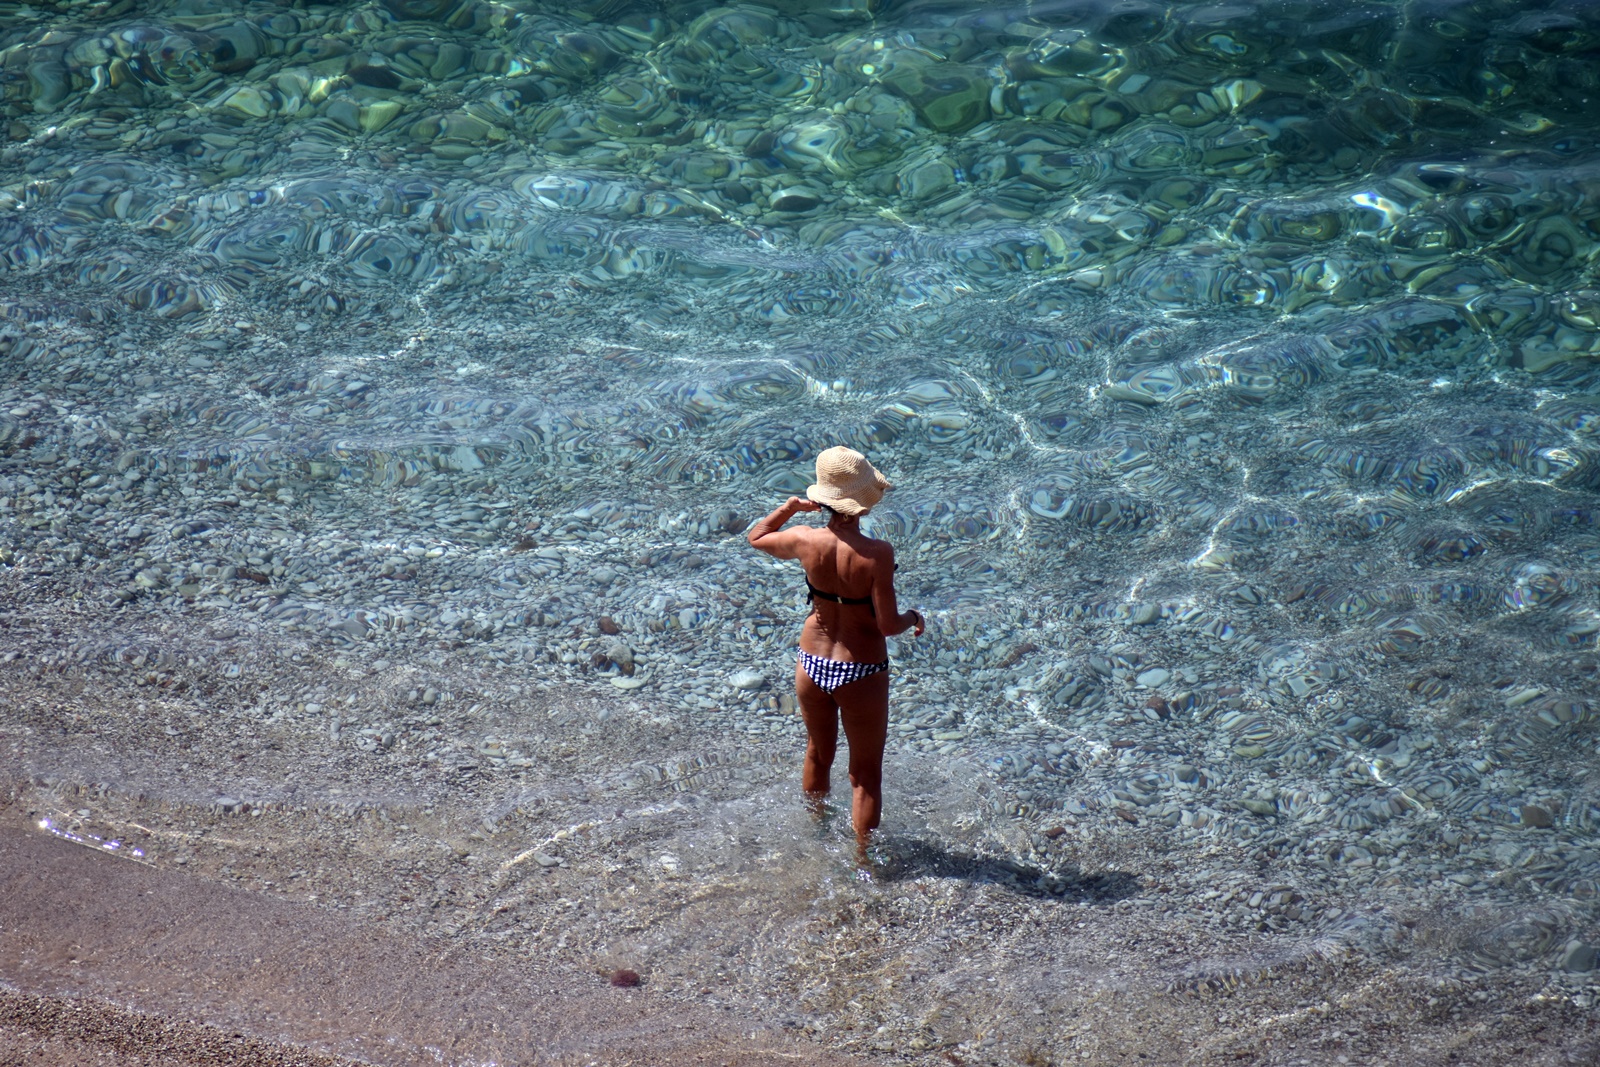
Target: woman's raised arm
point(769, 538)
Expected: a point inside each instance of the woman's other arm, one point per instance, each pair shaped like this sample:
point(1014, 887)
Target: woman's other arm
point(769, 538)
point(891, 620)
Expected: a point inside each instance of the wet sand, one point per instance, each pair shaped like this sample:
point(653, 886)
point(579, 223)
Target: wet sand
point(75, 1031)
point(113, 962)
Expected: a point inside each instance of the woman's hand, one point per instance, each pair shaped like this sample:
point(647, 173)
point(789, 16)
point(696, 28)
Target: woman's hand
point(922, 624)
point(769, 536)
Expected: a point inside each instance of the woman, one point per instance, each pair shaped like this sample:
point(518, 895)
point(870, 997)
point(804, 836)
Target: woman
point(843, 671)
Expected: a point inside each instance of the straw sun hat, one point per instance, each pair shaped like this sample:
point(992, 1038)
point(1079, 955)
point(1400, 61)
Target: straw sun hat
point(846, 482)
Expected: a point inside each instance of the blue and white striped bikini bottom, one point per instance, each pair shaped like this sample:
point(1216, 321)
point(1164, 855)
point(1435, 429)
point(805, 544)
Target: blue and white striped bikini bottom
point(830, 674)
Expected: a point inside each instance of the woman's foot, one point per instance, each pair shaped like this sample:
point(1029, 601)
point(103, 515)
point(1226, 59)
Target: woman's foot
point(817, 805)
point(867, 857)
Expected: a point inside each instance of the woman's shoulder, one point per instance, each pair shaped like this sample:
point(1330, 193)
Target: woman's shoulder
point(879, 551)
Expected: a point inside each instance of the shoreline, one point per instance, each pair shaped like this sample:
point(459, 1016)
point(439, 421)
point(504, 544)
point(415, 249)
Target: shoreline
point(147, 964)
point(218, 1010)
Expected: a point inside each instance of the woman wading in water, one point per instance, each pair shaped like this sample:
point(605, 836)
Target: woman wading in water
point(843, 672)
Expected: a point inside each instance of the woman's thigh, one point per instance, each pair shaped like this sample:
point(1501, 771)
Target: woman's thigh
point(817, 709)
point(864, 710)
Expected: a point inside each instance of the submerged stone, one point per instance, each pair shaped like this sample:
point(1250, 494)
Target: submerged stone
point(1578, 957)
point(950, 97)
point(1536, 817)
point(795, 200)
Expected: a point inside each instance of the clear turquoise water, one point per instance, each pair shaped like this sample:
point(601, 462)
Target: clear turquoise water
point(1236, 366)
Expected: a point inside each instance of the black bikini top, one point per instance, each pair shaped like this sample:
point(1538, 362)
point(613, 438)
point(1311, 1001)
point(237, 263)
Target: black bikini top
point(812, 592)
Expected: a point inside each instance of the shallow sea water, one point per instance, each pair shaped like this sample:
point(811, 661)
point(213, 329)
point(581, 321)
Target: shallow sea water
point(384, 371)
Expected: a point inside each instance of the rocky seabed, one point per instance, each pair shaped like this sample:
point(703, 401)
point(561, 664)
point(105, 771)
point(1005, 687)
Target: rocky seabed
point(395, 382)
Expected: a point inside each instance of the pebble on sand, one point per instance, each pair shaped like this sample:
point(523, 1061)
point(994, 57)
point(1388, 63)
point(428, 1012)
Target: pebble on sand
point(1578, 957)
point(1536, 818)
point(1154, 678)
point(749, 680)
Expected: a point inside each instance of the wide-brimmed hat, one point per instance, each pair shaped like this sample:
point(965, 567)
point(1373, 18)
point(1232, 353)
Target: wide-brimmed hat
point(846, 482)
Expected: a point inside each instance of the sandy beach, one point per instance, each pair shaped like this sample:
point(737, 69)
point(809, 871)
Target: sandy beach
point(109, 962)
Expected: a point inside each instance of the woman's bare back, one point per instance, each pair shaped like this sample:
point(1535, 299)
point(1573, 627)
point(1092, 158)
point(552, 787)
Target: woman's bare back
point(842, 562)
point(850, 565)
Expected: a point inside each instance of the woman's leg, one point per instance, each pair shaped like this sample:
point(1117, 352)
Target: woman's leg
point(821, 716)
point(864, 708)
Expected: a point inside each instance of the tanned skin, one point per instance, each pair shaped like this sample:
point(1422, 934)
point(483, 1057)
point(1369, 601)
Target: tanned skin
point(842, 560)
